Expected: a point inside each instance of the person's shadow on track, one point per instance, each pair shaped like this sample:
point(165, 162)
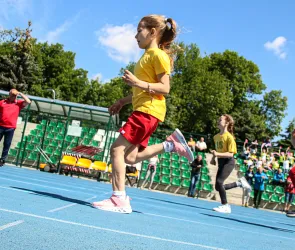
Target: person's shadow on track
point(251, 223)
point(55, 196)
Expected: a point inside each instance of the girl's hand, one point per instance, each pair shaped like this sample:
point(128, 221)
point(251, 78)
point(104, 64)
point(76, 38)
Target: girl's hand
point(115, 108)
point(129, 78)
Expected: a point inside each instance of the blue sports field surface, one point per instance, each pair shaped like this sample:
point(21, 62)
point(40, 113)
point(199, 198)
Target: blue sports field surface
point(46, 211)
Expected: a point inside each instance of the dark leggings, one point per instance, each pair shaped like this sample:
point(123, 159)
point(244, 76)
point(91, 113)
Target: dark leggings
point(225, 167)
point(257, 197)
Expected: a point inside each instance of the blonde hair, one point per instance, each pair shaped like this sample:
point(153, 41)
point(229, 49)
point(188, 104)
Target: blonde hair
point(166, 28)
point(230, 120)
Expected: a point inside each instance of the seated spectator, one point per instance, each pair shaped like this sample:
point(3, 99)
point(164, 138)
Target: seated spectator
point(264, 155)
point(196, 165)
point(249, 163)
point(192, 144)
point(246, 150)
point(246, 193)
point(253, 147)
point(259, 163)
point(289, 194)
point(260, 178)
point(266, 144)
point(278, 178)
point(275, 164)
point(201, 145)
point(286, 166)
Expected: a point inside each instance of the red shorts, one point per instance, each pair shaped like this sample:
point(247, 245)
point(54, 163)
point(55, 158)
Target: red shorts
point(138, 128)
point(292, 175)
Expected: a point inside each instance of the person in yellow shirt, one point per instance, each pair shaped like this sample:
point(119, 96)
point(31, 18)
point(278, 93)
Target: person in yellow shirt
point(150, 83)
point(192, 144)
point(225, 148)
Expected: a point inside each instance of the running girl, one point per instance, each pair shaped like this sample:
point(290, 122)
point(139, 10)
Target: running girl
point(150, 83)
point(226, 147)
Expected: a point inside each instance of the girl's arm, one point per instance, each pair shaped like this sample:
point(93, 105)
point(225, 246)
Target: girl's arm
point(161, 87)
point(126, 100)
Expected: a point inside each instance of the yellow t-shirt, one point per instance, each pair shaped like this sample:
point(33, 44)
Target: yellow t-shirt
point(153, 62)
point(225, 143)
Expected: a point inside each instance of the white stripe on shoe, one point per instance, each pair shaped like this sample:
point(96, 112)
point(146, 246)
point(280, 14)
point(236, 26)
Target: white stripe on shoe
point(182, 140)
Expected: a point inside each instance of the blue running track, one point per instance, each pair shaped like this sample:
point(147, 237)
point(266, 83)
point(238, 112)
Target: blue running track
point(46, 211)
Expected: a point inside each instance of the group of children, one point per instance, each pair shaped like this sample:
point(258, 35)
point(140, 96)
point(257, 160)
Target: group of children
point(150, 83)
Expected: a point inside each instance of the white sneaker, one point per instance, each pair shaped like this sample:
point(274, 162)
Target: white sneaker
point(223, 209)
point(245, 184)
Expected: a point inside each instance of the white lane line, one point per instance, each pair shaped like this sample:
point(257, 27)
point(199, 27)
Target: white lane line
point(18, 190)
point(30, 183)
point(52, 182)
point(12, 224)
point(214, 225)
point(70, 205)
point(110, 230)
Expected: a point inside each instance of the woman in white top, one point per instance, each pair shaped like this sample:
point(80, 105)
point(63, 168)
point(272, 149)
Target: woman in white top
point(152, 167)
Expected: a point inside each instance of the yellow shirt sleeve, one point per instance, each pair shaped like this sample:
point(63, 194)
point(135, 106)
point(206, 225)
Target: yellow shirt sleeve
point(161, 62)
point(231, 144)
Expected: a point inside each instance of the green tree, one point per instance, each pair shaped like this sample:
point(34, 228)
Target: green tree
point(285, 142)
point(18, 68)
point(273, 108)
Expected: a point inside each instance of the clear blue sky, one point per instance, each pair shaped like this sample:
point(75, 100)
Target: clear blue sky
point(101, 32)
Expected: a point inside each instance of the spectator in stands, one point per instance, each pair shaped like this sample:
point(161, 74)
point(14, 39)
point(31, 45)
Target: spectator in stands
point(275, 164)
point(286, 165)
point(9, 112)
point(152, 167)
point(246, 192)
point(259, 163)
point(260, 178)
point(196, 165)
point(253, 147)
point(246, 150)
point(279, 178)
point(289, 194)
point(192, 144)
point(201, 145)
point(266, 144)
point(264, 155)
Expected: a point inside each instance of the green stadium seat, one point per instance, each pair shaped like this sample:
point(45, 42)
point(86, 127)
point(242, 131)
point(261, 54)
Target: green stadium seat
point(275, 198)
point(269, 174)
point(279, 190)
point(165, 163)
point(269, 189)
point(54, 159)
point(204, 170)
point(205, 178)
point(30, 147)
point(142, 175)
point(252, 194)
point(85, 142)
point(12, 152)
point(34, 132)
point(240, 161)
point(186, 175)
point(69, 138)
point(184, 166)
point(62, 131)
point(28, 138)
point(54, 143)
point(166, 156)
point(158, 170)
point(283, 199)
point(75, 140)
point(40, 127)
point(98, 157)
point(57, 152)
point(43, 122)
point(165, 171)
point(176, 182)
point(183, 159)
point(175, 164)
point(144, 166)
point(59, 137)
point(174, 157)
point(152, 141)
point(60, 125)
point(157, 178)
point(50, 136)
point(41, 134)
point(22, 155)
point(165, 180)
point(49, 150)
point(158, 141)
point(52, 124)
point(33, 156)
point(55, 130)
point(46, 142)
point(265, 197)
point(186, 183)
point(208, 187)
point(94, 143)
point(243, 169)
point(175, 173)
point(37, 140)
